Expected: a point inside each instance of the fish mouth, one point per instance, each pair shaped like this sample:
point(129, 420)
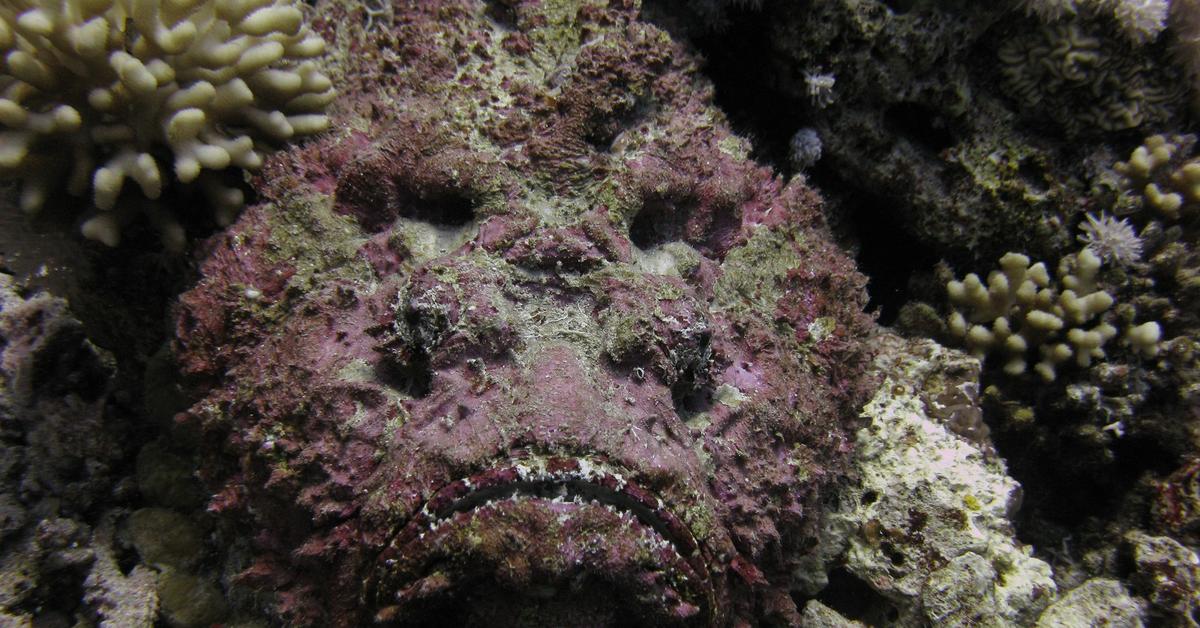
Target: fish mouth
point(544, 541)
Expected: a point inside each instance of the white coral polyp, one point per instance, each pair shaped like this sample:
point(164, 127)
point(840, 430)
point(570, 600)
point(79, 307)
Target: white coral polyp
point(102, 90)
point(1110, 239)
point(1140, 20)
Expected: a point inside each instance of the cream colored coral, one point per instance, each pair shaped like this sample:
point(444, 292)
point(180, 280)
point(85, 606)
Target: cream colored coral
point(1020, 309)
point(1162, 173)
point(1144, 338)
point(96, 92)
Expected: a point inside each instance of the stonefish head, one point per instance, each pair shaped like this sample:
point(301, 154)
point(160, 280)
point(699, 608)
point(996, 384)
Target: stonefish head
point(526, 339)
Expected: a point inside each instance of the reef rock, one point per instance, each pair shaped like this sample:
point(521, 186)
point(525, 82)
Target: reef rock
point(923, 525)
point(63, 442)
point(1096, 602)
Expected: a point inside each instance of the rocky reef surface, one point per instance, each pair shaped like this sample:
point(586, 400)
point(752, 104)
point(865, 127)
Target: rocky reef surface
point(609, 313)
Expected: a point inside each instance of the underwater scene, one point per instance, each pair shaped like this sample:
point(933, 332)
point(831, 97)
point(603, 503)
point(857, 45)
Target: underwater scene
point(599, 313)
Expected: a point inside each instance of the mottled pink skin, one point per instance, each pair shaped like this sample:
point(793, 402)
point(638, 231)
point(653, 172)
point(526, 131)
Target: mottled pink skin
point(207, 317)
point(339, 415)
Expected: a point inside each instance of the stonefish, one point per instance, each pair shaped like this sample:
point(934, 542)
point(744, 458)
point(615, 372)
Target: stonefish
point(527, 338)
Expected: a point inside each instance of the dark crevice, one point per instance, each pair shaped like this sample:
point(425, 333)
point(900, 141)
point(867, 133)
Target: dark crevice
point(690, 397)
point(407, 367)
point(920, 125)
point(1070, 479)
point(692, 394)
point(736, 62)
point(1033, 175)
point(893, 554)
point(482, 601)
point(371, 192)
point(900, 7)
point(502, 14)
point(847, 594)
point(692, 404)
point(678, 216)
point(604, 129)
point(127, 558)
point(886, 254)
point(69, 365)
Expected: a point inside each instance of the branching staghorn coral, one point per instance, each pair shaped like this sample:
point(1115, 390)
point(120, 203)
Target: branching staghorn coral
point(1165, 175)
point(1140, 20)
point(94, 92)
point(1020, 309)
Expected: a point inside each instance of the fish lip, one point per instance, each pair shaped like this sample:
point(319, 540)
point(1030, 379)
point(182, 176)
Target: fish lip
point(579, 479)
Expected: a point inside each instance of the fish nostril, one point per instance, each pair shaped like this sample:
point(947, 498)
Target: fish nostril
point(439, 207)
point(660, 221)
point(702, 214)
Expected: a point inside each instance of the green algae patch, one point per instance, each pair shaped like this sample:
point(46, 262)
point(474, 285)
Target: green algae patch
point(628, 335)
point(307, 236)
point(558, 33)
point(754, 274)
point(821, 328)
point(735, 147)
point(189, 601)
point(700, 520)
point(168, 479)
point(166, 538)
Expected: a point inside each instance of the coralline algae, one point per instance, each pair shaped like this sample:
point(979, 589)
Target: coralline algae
point(527, 338)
